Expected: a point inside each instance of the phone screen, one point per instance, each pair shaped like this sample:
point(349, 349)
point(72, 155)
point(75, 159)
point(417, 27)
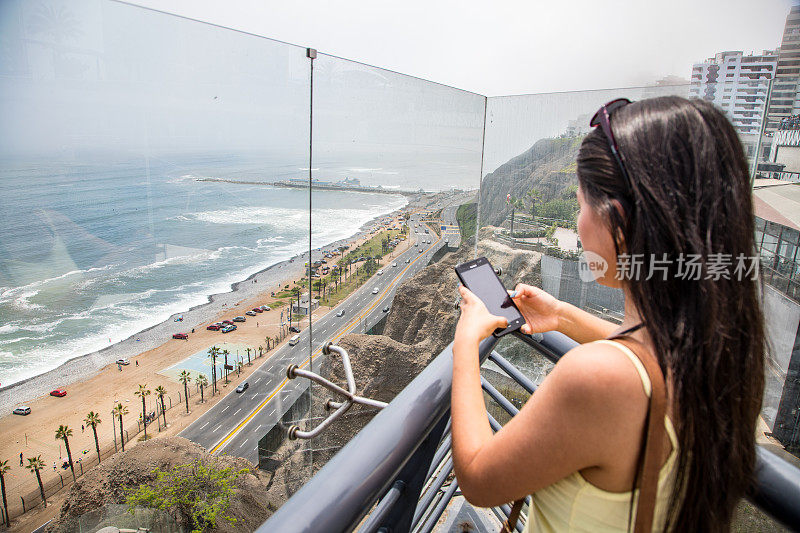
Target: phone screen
point(479, 277)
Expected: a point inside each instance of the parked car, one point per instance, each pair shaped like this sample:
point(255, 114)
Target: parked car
point(22, 410)
point(229, 322)
point(266, 308)
point(180, 336)
point(375, 290)
point(239, 319)
point(228, 329)
point(123, 362)
point(250, 313)
point(340, 312)
point(214, 327)
point(58, 392)
point(258, 310)
point(242, 387)
point(386, 309)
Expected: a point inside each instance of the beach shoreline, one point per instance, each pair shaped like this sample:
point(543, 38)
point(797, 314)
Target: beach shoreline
point(85, 366)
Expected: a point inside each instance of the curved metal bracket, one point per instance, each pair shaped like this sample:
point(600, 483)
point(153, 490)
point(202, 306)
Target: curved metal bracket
point(338, 408)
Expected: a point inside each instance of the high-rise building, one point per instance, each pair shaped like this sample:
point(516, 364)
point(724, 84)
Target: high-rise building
point(738, 84)
point(785, 98)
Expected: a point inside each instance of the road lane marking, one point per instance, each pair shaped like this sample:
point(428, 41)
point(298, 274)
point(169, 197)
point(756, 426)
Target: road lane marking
point(226, 407)
point(343, 332)
point(204, 425)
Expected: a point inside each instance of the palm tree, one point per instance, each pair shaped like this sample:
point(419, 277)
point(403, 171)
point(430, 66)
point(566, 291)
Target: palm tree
point(201, 380)
point(248, 354)
point(261, 348)
point(92, 419)
point(534, 195)
point(35, 464)
point(239, 366)
point(185, 378)
point(4, 468)
point(143, 392)
point(161, 392)
point(225, 354)
point(63, 432)
point(120, 410)
point(213, 352)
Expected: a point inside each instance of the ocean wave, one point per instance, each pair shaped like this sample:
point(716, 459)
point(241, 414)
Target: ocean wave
point(8, 294)
point(6, 329)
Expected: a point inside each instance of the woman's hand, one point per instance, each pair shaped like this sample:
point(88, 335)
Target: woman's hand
point(540, 309)
point(476, 323)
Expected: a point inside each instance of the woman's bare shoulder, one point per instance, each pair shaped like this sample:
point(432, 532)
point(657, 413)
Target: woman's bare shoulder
point(599, 372)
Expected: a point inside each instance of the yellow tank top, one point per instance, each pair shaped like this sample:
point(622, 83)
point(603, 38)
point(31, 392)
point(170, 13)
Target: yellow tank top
point(574, 504)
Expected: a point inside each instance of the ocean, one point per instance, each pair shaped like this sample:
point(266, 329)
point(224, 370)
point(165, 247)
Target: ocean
point(93, 252)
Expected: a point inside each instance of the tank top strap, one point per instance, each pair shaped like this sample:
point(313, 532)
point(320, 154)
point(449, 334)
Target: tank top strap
point(646, 385)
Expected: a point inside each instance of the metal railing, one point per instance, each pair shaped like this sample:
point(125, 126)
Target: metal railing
point(397, 469)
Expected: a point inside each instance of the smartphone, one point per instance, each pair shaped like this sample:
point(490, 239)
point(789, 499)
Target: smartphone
point(480, 278)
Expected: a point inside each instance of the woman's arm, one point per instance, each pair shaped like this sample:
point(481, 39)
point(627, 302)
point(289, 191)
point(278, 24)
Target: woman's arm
point(543, 312)
point(565, 427)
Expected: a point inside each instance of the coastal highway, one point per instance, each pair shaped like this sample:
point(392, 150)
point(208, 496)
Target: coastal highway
point(237, 422)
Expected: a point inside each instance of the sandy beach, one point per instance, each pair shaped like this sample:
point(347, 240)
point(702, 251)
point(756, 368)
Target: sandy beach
point(95, 383)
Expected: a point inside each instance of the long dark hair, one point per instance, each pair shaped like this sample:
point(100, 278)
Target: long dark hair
point(690, 194)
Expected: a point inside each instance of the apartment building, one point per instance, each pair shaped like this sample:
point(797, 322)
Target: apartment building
point(738, 84)
point(785, 98)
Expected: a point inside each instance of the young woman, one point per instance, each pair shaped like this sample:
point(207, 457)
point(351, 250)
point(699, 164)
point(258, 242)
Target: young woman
point(663, 184)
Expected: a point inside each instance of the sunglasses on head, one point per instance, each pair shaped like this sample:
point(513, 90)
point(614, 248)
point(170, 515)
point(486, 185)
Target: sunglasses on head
point(603, 119)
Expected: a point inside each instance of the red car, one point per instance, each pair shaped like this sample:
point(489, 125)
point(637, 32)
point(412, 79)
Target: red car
point(58, 392)
point(180, 336)
point(258, 310)
point(229, 322)
point(213, 327)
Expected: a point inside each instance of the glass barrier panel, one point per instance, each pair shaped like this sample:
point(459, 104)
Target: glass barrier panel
point(137, 156)
point(394, 158)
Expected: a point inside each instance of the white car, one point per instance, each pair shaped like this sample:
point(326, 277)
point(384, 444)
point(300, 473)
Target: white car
point(380, 272)
point(394, 265)
point(123, 362)
point(375, 290)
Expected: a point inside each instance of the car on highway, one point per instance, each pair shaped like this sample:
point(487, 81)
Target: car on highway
point(181, 336)
point(123, 362)
point(375, 290)
point(386, 309)
point(394, 265)
point(228, 329)
point(250, 313)
point(426, 231)
point(408, 260)
point(215, 326)
point(243, 387)
point(23, 410)
point(380, 272)
point(421, 250)
point(239, 319)
point(294, 329)
point(340, 312)
point(58, 392)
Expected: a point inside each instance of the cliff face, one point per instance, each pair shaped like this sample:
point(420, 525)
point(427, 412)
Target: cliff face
point(549, 166)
